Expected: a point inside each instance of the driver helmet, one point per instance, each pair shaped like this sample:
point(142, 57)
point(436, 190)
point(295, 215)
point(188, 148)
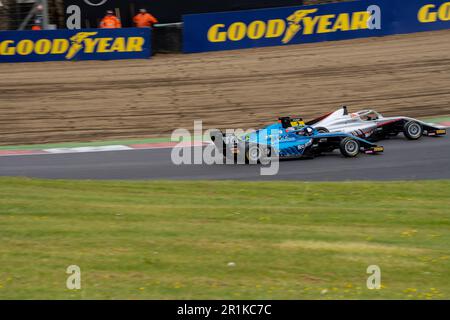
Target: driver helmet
point(290, 129)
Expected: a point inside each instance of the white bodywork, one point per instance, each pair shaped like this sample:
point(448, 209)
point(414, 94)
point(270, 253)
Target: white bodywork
point(363, 123)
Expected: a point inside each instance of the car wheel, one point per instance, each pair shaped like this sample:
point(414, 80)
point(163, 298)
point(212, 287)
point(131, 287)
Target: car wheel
point(413, 130)
point(349, 147)
point(322, 130)
point(257, 154)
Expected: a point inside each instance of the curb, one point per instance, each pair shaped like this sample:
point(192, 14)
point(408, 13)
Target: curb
point(117, 147)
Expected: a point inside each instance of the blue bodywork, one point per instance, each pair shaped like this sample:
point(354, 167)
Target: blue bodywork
point(296, 141)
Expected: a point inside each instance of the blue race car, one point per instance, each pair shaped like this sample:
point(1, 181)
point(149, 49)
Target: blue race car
point(287, 139)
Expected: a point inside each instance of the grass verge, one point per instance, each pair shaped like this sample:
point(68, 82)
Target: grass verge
point(175, 240)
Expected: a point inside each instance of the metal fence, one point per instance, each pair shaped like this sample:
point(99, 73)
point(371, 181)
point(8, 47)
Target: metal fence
point(4, 15)
point(26, 14)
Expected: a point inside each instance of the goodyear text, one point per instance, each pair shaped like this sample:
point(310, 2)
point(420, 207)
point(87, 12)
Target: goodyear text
point(308, 24)
point(74, 45)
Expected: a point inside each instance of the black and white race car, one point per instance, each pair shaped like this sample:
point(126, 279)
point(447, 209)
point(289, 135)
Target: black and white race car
point(371, 125)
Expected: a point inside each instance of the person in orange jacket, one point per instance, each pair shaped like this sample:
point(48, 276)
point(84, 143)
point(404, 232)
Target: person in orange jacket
point(37, 26)
point(110, 21)
point(144, 19)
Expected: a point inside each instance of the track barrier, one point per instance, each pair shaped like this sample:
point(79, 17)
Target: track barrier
point(84, 44)
point(307, 24)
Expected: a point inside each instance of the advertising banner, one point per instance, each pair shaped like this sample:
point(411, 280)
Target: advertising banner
point(85, 44)
point(315, 23)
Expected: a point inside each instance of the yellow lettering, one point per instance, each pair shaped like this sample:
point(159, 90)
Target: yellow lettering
point(444, 12)
point(135, 44)
point(90, 44)
point(424, 15)
point(24, 47)
point(214, 35)
point(6, 49)
point(104, 45)
point(275, 28)
point(342, 22)
point(60, 46)
point(43, 46)
point(309, 24)
point(118, 45)
point(236, 31)
point(256, 30)
point(325, 23)
point(360, 20)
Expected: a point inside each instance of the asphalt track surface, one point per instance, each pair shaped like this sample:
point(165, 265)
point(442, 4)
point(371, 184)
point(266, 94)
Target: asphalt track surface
point(428, 158)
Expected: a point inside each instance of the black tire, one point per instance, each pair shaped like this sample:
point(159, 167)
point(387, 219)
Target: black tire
point(349, 147)
point(413, 130)
point(322, 130)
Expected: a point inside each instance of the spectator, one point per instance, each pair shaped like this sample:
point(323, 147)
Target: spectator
point(110, 21)
point(144, 19)
point(37, 26)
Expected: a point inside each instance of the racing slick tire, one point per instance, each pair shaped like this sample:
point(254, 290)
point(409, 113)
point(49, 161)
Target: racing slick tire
point(349, 147)
point(256, 153)
point(322, 130)
point(413, 130)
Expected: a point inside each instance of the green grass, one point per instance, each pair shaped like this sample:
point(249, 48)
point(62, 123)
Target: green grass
point(174, 240)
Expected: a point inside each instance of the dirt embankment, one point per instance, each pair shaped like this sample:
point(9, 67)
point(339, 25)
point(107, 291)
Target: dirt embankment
point(83, 101)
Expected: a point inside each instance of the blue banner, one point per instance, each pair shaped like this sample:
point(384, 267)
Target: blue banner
point(85, 44)
point(314, 23)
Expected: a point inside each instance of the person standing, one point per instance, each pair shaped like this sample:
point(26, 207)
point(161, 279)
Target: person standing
point(110, 21)
point(144, 19)
point(37, 26)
